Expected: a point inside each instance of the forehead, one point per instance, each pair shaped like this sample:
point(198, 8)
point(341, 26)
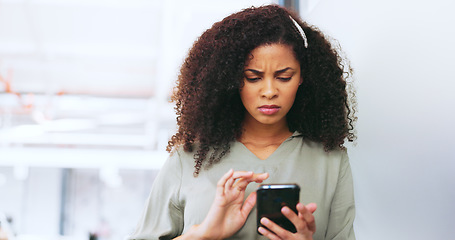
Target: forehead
point(277, 55)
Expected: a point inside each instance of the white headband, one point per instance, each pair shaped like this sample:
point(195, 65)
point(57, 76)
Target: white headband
point(302, 33)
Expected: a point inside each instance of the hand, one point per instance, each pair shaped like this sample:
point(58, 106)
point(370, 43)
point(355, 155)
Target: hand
point(228, 212)
point(303, 222)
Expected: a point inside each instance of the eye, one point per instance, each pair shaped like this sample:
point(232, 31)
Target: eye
point(285, 79)
point(254, 79)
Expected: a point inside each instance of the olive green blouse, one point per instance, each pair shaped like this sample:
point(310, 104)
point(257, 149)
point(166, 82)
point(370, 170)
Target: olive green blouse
point(178, 200)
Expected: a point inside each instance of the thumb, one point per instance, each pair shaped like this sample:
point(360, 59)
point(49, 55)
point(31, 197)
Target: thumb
point(248, 204)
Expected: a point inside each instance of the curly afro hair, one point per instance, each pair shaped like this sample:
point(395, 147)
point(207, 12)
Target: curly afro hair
point(208, 106)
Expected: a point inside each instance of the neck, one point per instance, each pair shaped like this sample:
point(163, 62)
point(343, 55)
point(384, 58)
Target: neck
point(263, 133)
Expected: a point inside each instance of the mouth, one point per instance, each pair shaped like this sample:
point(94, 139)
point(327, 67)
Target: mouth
point(269, 109)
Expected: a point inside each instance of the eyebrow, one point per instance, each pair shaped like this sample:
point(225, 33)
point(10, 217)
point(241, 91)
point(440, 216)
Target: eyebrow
point(260, 73)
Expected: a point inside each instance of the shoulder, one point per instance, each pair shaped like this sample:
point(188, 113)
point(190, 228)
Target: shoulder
point(317, 148)
point(180, 157)
point(315, 153)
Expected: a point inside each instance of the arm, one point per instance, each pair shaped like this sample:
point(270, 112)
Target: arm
point(342, 210)
point(162, 217)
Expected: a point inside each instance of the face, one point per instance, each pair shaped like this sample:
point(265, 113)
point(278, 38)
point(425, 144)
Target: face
point(271, 79)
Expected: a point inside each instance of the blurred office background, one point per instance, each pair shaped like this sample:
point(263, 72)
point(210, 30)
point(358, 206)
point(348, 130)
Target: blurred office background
point(85, 117)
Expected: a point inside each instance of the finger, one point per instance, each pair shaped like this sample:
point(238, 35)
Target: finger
point(268, 234)
point(241, 184)
point(311, 207)
point(275, 228)
point(259, 177)
point(228, 184)
point(250, 175)
point(237, 180)
point(299, 223)
point(222, 182)
point(240, 179)
point(242, 174)
point(248, 204)
point(256, 177)
point(305, 212)
point(306, 215)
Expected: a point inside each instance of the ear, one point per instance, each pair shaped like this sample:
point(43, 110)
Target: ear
point(301, 80)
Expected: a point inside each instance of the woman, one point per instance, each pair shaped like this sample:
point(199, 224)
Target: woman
point(264, 94)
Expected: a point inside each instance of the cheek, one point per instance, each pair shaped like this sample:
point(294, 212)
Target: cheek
point(246, 96)
point(290, 95)
point(242, 97)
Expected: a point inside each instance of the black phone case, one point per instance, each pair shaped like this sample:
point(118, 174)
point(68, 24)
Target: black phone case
point(271, 198)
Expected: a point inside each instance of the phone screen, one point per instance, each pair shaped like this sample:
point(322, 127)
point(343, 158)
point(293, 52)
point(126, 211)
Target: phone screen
point(271, 198)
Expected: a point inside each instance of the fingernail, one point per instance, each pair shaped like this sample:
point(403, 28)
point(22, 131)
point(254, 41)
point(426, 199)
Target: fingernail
point(261, 230)
point(264, 221)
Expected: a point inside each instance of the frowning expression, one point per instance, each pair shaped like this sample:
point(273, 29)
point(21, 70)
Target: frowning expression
point(271, 79)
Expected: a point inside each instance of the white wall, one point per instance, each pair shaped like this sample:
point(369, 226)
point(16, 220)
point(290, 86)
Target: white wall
point(33, 202)
point(403, 165)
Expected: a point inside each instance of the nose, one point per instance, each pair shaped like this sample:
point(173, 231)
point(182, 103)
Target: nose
point(269, 89)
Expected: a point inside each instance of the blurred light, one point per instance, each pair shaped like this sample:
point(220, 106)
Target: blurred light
point(111, 177)
point(63, 125)
point(39, 116)
point(26, 131)
point(21, 173)
point(121, 118)
point(2, 179)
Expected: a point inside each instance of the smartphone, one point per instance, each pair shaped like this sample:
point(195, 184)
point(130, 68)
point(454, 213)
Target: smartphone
point(271, 198)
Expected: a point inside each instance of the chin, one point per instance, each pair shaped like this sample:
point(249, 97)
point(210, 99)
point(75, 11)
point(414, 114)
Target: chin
point(269, 121)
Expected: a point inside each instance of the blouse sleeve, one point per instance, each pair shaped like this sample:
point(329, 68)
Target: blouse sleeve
point(163, 217)
point(342, 211)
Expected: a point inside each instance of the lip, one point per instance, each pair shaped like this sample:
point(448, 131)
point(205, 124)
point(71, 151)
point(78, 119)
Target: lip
point(269, 109)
